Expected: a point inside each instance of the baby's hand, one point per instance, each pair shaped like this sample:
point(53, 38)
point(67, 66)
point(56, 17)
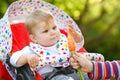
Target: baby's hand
point(32, 60)
point(76, 35)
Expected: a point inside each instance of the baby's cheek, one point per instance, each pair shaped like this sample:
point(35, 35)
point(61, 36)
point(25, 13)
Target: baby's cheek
point(43, 42)
point(44, 39)
point(58, 36)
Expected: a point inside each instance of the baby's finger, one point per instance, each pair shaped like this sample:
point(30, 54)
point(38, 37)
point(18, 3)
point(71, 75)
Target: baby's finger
point(36, 59)
point(71, 29)
point(33, 66)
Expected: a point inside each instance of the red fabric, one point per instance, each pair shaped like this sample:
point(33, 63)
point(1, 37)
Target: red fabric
point(63, 32)
point(20, 36)
point(4, 73)
point(82, 50)
point(38, 77)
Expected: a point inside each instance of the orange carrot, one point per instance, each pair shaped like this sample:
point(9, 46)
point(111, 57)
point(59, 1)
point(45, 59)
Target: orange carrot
point(72, 47)
point(71, 42)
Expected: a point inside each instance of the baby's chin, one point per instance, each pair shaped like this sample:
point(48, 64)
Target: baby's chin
point(51, 44)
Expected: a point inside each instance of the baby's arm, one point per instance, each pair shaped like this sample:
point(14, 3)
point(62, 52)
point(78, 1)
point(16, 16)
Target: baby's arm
point(26, 55)
point(23, 57)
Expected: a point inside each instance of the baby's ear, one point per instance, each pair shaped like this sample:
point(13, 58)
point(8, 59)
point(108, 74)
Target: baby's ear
point(33, 39)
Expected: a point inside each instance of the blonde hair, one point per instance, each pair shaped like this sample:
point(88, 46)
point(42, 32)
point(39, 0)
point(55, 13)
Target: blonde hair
point(37, 16)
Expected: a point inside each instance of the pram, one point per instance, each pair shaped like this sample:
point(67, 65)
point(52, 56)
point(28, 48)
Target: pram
point(14, 17)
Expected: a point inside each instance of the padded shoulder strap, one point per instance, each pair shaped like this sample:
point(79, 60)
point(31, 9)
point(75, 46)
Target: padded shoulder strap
point(20, 36)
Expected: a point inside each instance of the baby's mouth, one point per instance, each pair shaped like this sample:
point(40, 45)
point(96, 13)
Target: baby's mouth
point(53, 38)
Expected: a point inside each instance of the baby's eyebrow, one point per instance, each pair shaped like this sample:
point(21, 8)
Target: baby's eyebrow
point(55, 26)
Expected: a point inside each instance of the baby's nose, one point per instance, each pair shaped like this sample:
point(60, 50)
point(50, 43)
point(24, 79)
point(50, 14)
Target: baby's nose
point(52, 32)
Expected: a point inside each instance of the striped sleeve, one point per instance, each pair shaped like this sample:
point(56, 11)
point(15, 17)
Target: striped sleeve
point(117, 69)
point(105, 70)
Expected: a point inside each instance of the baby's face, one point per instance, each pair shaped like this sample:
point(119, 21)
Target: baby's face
point(47, 35)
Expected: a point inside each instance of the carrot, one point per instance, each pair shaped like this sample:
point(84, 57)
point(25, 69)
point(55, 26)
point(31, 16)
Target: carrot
point(72, 47)
point(71, 42)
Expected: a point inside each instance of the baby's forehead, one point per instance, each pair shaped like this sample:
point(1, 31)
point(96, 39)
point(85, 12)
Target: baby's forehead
point(50, 22)
point(41, 24)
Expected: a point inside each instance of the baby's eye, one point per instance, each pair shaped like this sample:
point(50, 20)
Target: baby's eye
point(54, 27)
point(45, 31)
